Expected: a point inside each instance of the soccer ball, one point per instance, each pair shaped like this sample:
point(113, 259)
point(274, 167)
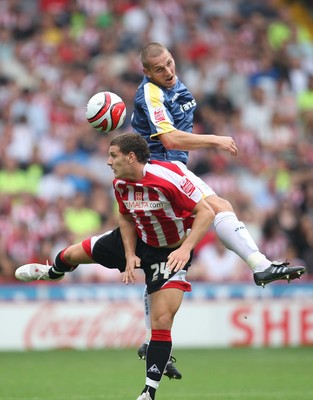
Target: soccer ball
point(105, 111)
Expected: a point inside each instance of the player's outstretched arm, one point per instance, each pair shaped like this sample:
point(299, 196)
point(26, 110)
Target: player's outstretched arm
point(180, 140)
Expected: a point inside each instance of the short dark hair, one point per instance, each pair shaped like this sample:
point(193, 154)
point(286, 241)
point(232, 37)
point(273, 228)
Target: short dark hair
point(151, 50)
point(128, 142)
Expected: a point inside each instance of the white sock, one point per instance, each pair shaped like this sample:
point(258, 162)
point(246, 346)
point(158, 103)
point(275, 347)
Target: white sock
point(146, 301)
point(235, 236)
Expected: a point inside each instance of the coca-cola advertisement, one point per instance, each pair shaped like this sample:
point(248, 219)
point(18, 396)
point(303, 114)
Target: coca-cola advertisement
point(47, 325)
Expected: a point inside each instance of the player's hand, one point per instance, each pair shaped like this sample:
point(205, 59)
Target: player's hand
point(177, 259)
point(227, 143)
point(132, 262)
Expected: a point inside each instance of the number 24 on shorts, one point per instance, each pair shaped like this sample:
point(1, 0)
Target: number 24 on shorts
point(160, 269)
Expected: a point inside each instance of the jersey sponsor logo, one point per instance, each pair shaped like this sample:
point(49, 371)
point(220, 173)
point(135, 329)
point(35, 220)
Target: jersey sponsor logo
point(176, 95)
point(159, 115)
point(143, 205)
point(187, 106)
point(187, 186)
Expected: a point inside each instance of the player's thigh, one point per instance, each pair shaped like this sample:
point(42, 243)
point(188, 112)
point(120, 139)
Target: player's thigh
point(164, 305)
point(107, 249)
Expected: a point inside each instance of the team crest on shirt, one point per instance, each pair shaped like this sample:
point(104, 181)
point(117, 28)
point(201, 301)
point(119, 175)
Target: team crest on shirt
point(138, 196)
point(187, 186)
point(159, 115)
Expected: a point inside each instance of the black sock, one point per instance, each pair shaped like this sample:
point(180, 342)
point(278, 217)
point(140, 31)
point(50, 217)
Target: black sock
point(158, 354)
point(54, 275)
point(60, 266)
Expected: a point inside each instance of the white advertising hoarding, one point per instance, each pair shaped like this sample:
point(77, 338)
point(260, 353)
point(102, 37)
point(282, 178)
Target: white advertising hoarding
point(199, 323)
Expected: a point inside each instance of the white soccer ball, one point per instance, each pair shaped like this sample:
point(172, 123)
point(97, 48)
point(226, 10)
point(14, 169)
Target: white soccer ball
point(105, 111)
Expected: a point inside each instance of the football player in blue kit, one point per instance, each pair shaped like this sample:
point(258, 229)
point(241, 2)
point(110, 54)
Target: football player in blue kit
point(163, 114)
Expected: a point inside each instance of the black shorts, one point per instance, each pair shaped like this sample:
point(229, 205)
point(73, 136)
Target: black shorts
point(108, 250)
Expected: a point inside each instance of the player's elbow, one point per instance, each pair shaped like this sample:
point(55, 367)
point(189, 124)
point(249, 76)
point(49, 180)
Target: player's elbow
point(169, 141)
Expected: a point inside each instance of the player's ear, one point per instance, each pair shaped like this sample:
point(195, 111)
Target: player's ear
point(131, 157)
point(146, 72)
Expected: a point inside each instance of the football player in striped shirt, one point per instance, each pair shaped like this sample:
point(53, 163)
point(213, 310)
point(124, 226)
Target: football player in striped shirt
point(162, 217)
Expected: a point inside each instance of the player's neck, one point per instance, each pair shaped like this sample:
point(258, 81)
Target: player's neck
point(136, 173)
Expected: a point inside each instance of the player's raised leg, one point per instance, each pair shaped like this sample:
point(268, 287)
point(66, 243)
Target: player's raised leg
point(235, 236)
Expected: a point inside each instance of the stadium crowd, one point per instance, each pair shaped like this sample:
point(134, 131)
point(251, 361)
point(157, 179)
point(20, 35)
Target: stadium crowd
point(249, 64)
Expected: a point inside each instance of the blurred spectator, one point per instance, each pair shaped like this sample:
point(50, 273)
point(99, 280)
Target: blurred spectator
point(274, 242)
point(97, 162)
point(282, 28)
point(50, 146)
point(297, 76)
point(254, 182)
point(74, 161)
point(305, 104)
point(266, 75)
point(220, 178)
point(7, 267)
point(219, 102)
point(257, 114)
point(215, 263)
point(80, 219)
point(21, 244)
point(285, 104)
point(56, 184)
point(101, 202)
point(247, 142)
point(22, 141)
point(281, 136)
point(13, 179)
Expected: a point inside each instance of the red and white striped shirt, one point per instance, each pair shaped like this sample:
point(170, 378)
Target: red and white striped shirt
point(161, 203)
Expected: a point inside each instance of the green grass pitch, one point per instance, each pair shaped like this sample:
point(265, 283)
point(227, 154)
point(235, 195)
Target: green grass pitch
point(213, 374)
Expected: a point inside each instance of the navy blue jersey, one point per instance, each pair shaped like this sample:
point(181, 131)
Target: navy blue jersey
point(158, 110)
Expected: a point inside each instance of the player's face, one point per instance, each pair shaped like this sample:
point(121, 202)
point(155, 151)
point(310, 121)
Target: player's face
point(161, 70)
point(119, 163)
